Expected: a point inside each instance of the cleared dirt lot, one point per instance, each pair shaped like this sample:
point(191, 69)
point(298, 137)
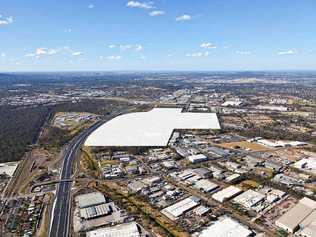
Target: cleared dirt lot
point(244, 145)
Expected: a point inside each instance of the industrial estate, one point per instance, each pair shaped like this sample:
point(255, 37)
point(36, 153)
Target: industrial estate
point(203, 155)
point(157, 118)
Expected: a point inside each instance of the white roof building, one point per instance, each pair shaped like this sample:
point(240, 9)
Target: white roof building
point(8, 168)
point(90, 199)
point(186, 174)
point(232, 178)
point(197, 158)
point(95, 211)
point(124, 230)
point(152, 128)
point(205, 185)
point(279, 143)
point(226, 193)
point(308, 165)
point(226, 227)
point(274, 195)
point(249, 198)
point(232, 103)
point(309, 230)
point(297, 215)
point(174, 211)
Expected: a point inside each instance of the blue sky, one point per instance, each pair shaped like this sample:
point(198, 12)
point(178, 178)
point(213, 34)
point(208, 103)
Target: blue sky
point(52, 35)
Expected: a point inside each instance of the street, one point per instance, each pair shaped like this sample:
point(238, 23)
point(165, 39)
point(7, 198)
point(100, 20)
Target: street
point(59, 225)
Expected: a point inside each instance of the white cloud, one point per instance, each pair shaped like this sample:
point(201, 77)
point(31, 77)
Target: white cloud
point(69, 30)
point(112, 57)
point(156, 13)
point(78, 53)
point(52, 51)
point(198, 54)
point(138, 47)
point(126, 47)
point(6, 21)
point(207, 45)
point(287, 52)
point(65, 49)
point(142, 5)
point(243, 52)
point(91, 6)
point(2, 55)
point(39, 52)
point(142, 57)
point(184, 18)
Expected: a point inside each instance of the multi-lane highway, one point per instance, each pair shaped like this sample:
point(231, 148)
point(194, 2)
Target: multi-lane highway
point(60, 215)
point(59, 226)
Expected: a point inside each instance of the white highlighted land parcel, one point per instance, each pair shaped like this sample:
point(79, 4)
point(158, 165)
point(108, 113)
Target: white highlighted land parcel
point(152, 128)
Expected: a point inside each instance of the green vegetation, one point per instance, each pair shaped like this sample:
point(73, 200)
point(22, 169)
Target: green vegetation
point(20, 126)
point(91, 163)
point(101, 107)
point(275, 131)
point(281, 233)
point(54, 137)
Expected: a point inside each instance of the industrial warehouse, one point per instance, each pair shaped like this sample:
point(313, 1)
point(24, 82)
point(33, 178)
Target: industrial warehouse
point(176, 210)
point(301, 217)
point(226, 227)
point(153, 128)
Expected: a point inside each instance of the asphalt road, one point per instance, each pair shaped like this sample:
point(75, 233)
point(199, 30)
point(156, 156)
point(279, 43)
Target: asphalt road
point(59, 225)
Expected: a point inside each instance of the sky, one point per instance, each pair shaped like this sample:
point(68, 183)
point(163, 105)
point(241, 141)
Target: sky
point(188, 35)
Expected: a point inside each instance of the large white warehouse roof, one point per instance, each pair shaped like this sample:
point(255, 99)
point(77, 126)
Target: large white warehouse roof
point(296, 215)
point(226, 193)
point(90, 199)
point(249, 198)
point(226, 227)
point(153, 128)
point(179, 208)
point(126, 230)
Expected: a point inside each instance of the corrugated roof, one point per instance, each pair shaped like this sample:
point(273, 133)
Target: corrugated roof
point(249, 198)
point(123, 230)
point(95, 211)
point(179, 208)
point(226, 193)
point(310, 230)
point(309, 219)
point(90, 199)
point(205, 185)
point(295, 215)
point(226, 227)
